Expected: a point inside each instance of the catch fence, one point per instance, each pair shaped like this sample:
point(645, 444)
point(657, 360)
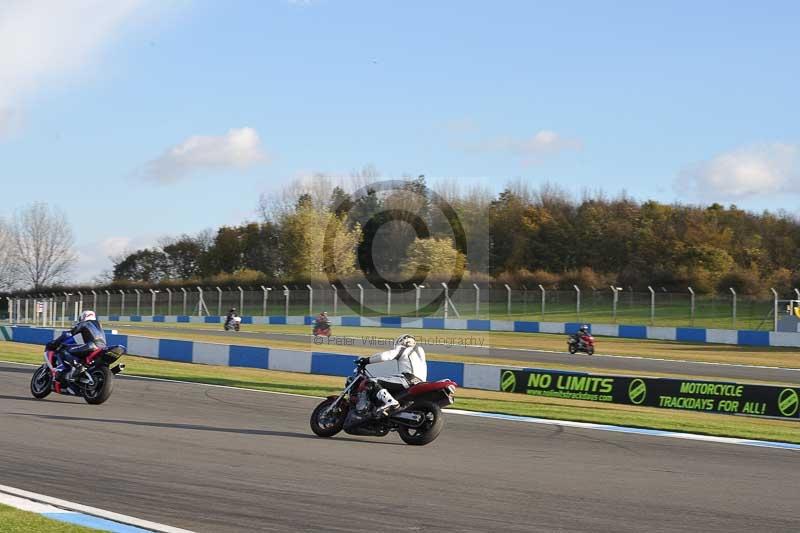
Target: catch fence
point(593, 305)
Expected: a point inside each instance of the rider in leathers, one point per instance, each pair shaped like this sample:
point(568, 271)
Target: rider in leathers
point(411, 369)
point(93, 338)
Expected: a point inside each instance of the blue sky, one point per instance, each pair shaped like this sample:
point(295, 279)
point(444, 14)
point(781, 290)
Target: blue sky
point(148, 118)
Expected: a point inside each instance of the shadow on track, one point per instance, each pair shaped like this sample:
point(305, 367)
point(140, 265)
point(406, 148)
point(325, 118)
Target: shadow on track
point(10, 369)
point(197, 427)
point(21, 398)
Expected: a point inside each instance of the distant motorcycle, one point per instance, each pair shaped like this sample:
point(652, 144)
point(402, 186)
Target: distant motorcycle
point(94, 384)
point(321, 329)
point(583, 344)
point(233, 323)
point(418, 420)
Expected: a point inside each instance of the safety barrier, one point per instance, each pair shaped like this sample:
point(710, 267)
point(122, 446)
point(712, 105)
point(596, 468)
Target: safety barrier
point(695, 335)
point(719, 397)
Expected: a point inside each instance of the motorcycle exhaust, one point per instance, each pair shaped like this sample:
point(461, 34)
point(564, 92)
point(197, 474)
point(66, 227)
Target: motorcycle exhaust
point(117, 369)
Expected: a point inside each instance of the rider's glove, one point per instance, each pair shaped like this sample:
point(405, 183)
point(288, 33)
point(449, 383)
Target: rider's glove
point(51, 346)
point(362, 361)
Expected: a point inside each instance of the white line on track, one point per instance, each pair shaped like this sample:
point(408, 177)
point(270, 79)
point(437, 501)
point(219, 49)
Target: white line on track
point(526, 419)
point(75, 513)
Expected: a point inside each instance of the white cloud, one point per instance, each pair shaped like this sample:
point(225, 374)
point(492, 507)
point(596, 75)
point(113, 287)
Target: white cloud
point(761, 169)
point(41, 40)
point(95, 258)
point(239, 148)
point(533, 149)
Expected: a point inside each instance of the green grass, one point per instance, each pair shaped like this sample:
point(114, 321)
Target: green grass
point(471, 399)
point(679, 351)
point(15, 521)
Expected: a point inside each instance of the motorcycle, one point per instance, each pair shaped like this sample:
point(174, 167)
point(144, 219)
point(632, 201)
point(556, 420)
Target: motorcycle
point(234, 323)
point(321, 329)
point(418, 420)
point(585, 344)
point(94, 384)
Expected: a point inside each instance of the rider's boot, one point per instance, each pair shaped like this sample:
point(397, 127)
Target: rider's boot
point(385, 402)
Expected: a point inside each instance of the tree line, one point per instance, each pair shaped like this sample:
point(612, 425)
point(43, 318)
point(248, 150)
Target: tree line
point(315, 232)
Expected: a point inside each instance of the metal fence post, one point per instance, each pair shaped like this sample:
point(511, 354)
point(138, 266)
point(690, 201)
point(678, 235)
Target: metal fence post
point(241, 300)
point(446, 298)
point(477, 300)
point(774, 309)
point(335, 298)
point(652, 305)
point(614, 300)
point(691, 303)
point(797, 293)
point(578, 301)
point(219, 302)
point(360, 299)
point(286, 303)
point(310, 300)
point(183, 290)
point(508, 299)
point(169, 302)
point(388, 299)
point(94, 301)
point(201, 301)
point(733, 317)
point(152, 302)
point(544, 299)
point(138, 301)
point(122, 302)
point(416, 298)
point(265, 290)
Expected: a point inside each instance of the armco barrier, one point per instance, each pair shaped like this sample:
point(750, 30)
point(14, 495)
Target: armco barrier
point(697, 335)
point(688, 395)
point(730, 398)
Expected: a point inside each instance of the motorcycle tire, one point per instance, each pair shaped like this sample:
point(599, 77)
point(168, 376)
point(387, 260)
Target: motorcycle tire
point(101, 391)
point(572, 349)
point(41, 382)
point(431, 429)
point(326, 430)
point(590, 350)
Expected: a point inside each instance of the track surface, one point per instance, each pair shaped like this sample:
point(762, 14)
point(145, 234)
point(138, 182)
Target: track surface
point(222, 460)
point(611, 363)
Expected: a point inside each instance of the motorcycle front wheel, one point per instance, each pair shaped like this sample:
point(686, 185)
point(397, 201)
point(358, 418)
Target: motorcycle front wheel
point(430, 429)
point(100, 391)
point(572, 348)
point(41, 382)
point(325, 422)
point(590, 350)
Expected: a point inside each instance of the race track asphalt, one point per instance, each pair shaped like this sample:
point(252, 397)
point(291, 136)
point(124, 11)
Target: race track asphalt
point(609, 363)
point(221, 460)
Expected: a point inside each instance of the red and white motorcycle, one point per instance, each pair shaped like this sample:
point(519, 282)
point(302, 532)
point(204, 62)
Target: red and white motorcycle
point(418, 420)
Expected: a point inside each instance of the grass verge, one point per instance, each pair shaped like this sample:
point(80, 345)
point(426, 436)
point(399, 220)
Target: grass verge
point(679, 351)
point(15, 521)
point(470, 399)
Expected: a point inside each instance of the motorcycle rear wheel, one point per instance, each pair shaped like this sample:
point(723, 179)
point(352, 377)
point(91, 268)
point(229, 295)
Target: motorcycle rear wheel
point(41, 382)
point(101, 390)
point(429, 431)
point(329, 428)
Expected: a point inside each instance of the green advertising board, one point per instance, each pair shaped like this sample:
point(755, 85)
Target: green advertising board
point(689, 395)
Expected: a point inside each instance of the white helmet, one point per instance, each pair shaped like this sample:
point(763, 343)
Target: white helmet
point(406, 341)
point(88, 315)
